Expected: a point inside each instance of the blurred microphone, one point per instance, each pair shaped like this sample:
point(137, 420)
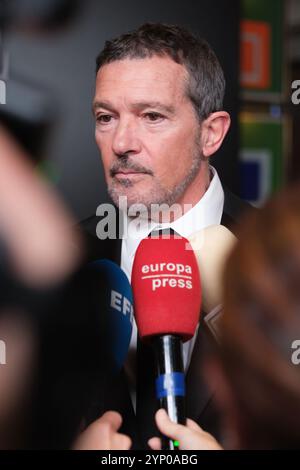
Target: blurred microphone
point(167, 301)
point(117, 301)
point(212, 246)
point(29, 111)
point(37, 14)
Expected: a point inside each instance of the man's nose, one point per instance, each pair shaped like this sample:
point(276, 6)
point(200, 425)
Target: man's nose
point(126, 139)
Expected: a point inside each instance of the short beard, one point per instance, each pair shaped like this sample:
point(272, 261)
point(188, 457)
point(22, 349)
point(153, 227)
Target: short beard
point(158, 195)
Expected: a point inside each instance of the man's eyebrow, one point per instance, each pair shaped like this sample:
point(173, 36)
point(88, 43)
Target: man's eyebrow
point(102, 104)
point(139, 106)
point(154, 104)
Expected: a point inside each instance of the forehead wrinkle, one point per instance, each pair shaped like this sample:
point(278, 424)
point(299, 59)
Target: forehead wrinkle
point(177, 84)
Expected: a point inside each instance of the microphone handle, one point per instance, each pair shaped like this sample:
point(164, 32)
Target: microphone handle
point(170, 383)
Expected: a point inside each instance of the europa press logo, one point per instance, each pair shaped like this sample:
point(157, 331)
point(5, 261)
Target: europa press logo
point(172, 275)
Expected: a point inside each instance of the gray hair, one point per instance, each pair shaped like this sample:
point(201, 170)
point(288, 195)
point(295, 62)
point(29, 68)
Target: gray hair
point(206, 83)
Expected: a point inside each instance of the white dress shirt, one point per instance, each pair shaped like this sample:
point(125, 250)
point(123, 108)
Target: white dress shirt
point(208, 211)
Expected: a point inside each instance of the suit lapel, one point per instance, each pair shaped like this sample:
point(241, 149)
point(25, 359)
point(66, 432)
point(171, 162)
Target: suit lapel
point(197, 391)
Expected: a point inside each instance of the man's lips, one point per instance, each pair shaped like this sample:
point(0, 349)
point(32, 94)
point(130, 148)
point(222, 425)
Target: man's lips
point(127, 173)
point(129, 170)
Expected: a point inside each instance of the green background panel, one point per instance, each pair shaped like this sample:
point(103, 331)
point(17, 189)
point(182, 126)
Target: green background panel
point(265, 134)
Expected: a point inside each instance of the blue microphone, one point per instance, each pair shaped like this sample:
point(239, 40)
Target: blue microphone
point(117, 299)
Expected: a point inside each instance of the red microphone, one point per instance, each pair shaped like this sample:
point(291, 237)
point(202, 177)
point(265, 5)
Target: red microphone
point(167, 301)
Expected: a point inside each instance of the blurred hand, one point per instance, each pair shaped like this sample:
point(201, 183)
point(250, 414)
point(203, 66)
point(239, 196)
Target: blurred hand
point(102, 434)
point(190, 437)
point(36, 228)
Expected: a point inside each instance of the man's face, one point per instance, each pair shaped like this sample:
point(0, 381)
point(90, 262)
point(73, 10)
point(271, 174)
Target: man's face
point(147, 131)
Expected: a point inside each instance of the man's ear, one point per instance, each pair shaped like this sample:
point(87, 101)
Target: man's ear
point(214, 129)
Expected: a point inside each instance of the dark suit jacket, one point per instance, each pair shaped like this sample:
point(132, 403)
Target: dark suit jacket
point(199, 399)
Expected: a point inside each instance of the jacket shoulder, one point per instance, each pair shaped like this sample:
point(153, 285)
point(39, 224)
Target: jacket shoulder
point(234, 209)
point(89, 225)
point(95, 247)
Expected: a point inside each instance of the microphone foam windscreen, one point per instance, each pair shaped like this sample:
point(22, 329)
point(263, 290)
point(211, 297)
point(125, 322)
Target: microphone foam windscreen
point(166, 287)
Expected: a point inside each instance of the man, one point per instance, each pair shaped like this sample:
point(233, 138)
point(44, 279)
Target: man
point(158, 111)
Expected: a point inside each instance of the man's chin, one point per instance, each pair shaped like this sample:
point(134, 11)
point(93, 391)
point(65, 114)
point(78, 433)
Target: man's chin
point(131, 204)
point(138, 198)
point(129, 195)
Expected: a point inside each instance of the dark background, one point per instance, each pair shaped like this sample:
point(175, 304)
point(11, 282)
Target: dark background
point(63, 64)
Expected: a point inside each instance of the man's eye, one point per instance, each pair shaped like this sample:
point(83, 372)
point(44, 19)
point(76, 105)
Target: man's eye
point(153, 117)
point(104, 118)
